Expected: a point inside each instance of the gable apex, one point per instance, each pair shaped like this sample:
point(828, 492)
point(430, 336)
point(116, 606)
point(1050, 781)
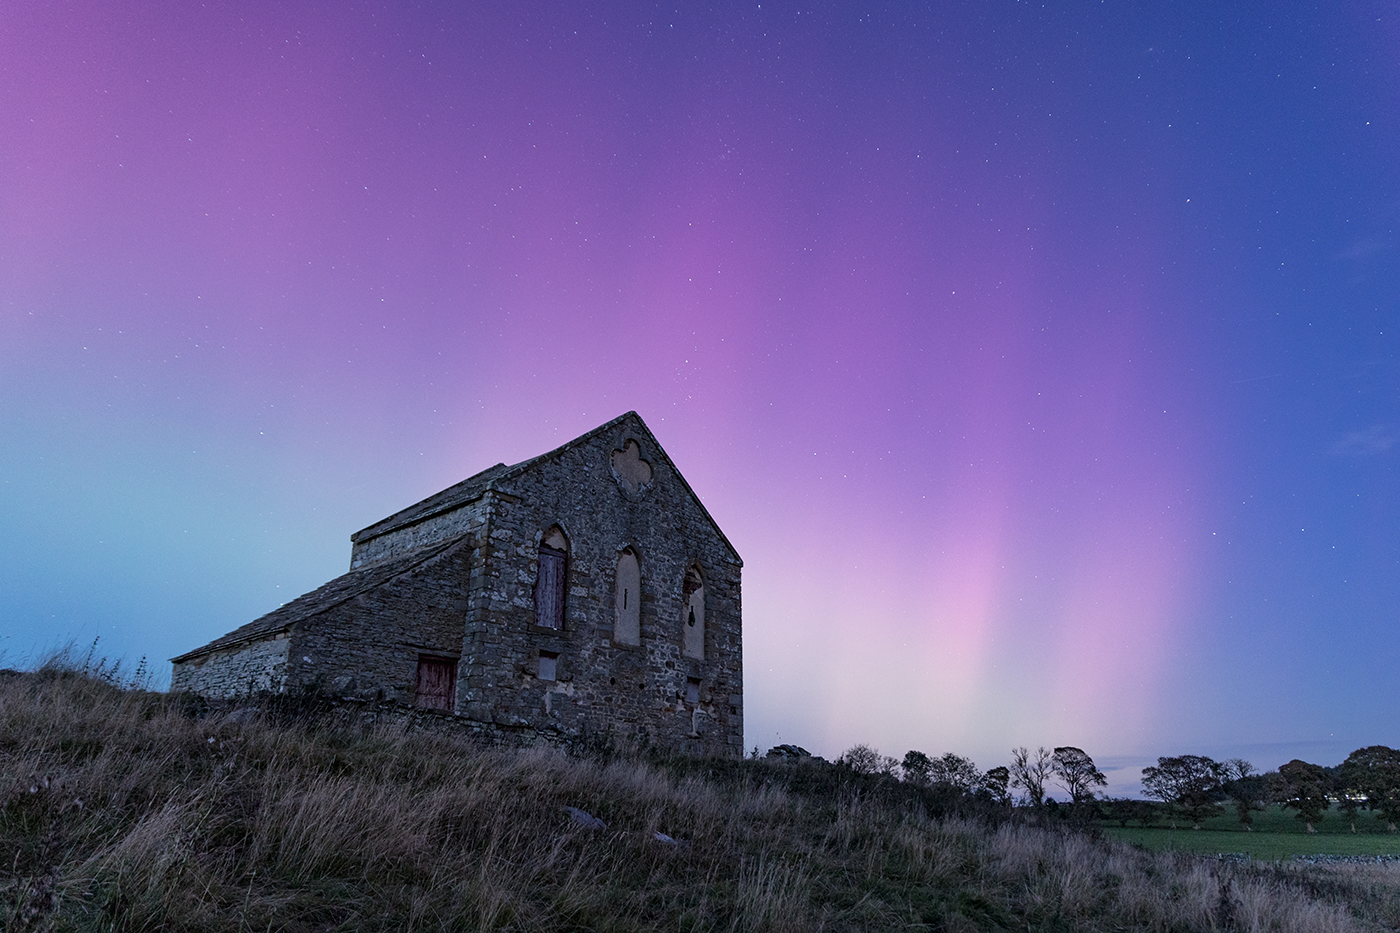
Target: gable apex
point(494, 478)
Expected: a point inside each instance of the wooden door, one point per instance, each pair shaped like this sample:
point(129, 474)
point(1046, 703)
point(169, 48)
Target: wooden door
point(436, 687)
point(549, 588)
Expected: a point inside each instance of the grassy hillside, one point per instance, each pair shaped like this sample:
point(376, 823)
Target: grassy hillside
point(127, 810)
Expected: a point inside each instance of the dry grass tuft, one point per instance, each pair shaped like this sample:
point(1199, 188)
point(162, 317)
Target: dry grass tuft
point(122, 809)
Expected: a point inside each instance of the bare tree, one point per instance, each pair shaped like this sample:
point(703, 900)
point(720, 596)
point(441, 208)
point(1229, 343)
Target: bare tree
point(1030, 771)
point(1077, 773)
point(1247, 789)
point(863, 759)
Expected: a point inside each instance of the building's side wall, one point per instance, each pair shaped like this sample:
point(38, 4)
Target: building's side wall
point(467, 518)
point(369, 646)
point(636, 692)
point(256, 667)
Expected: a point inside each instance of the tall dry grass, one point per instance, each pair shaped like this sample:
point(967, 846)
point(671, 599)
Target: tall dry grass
point(123, 809)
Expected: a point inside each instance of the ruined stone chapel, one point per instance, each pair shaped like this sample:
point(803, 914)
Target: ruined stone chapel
point(586, 590)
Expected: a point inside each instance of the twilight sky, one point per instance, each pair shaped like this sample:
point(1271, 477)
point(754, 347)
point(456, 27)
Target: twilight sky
point(1041, 360)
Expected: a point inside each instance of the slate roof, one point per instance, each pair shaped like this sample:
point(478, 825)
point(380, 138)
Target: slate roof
point(450, 498)
point(327, 596)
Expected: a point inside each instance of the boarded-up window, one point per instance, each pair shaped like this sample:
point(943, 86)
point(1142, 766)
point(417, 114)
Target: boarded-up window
point(627, 626)
point(436, 685)
point(693, 615)
point(549, 585)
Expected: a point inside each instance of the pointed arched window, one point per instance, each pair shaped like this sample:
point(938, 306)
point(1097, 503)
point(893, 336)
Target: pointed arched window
point(550, 579)
point(627, 624)
point(693, 614)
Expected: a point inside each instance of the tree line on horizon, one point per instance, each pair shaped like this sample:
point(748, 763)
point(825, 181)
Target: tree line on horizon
point(1192, 787)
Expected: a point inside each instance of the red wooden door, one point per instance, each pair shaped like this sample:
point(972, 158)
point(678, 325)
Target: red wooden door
point(437, 683)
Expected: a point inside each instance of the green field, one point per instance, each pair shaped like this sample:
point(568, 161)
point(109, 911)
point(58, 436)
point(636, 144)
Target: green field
point(1277, 835)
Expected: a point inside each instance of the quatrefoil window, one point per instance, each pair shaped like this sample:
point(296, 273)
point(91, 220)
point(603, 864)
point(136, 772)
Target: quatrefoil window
point(632, 472)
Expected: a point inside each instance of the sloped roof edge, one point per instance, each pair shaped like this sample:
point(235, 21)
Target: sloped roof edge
point(489, 479)
point(700, 503)
point(322, 599)
point(452, 497)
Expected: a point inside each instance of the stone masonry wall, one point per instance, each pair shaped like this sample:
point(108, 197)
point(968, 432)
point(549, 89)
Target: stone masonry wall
point(651, 691)
point(257, 667)
point(474, 601)
point(369, 646)
point(467, 518)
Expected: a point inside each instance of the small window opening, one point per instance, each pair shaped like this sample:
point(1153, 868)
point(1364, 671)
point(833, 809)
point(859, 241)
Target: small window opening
point(692, 691)
point(549, 665)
